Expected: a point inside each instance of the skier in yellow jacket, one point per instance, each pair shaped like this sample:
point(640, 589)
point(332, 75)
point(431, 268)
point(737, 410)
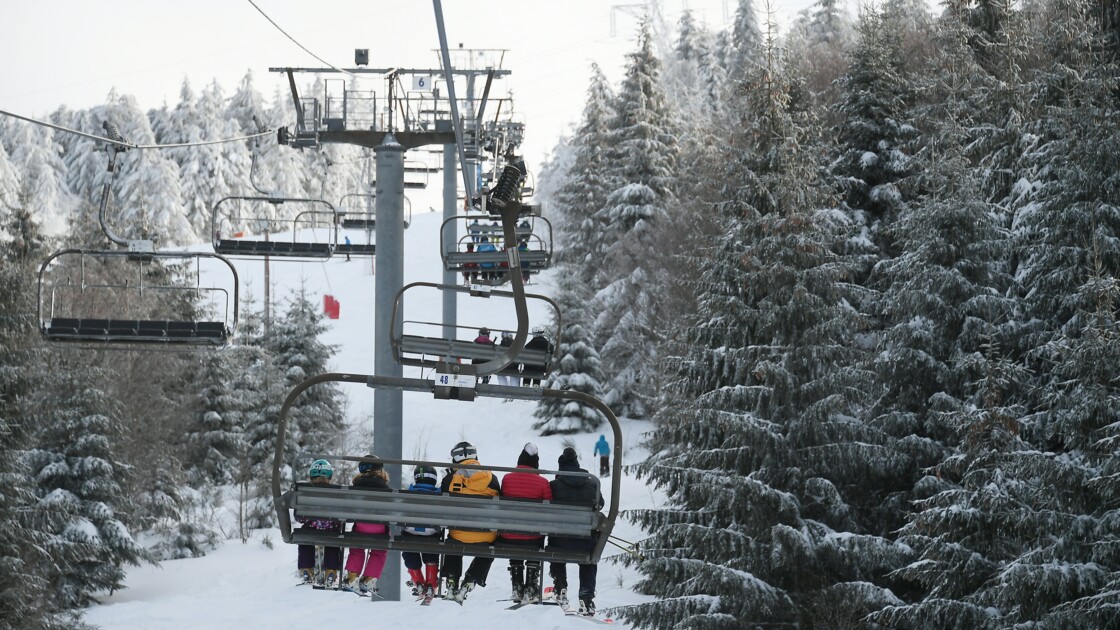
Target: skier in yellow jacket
point(468, 481)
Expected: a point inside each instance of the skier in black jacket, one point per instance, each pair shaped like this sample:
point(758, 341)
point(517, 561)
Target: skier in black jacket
point(582, 490)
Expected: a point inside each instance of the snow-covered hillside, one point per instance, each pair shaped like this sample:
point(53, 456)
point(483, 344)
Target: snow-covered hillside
point(253, 585)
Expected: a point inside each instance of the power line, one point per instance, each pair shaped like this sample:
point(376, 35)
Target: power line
point(273, 22)
point(129, 145)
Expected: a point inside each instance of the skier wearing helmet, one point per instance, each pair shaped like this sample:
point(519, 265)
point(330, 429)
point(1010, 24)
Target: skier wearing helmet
point(364, 566)
point(426, 582)
point(320, 473)
point(538, 342)
point(476, 482)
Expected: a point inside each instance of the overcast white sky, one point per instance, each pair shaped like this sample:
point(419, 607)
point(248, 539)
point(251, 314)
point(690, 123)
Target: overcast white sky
point(73, 52)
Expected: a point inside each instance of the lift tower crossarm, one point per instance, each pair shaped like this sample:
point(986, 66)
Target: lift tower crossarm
point(382, 71)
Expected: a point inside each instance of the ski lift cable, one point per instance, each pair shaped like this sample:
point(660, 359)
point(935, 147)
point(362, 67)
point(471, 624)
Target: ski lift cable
point(304, 48)
point(129, 145)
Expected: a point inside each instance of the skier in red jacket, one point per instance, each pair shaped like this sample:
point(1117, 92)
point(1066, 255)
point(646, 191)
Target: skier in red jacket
point(525, 575)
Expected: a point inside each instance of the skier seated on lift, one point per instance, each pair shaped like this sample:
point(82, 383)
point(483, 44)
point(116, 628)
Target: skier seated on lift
point(320, 474)
point(488, 267)
point(484, 339)
point(538, 342)
point(424, 583)
point(472, 482)
point(525, 575)
point(470, 269)
point(578, 489)
point(363, 567)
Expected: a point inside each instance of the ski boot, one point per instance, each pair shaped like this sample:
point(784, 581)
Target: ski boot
point(451, 589)
point(367, 586)
point(330, 579)
point(586, 606)
point(464, 590)
point(304, 576)
point(518, 584)
point(531, 593)
point(560, 593)
point(350, 582)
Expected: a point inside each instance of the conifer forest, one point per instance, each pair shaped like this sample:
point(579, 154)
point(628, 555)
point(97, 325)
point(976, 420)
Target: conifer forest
point(860, 277)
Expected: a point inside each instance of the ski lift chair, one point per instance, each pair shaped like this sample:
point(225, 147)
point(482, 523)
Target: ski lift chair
point(458, 257)
point(400, 508)
point(313, 230)
point(357, 219)
point(94, 298)
point(423, 344)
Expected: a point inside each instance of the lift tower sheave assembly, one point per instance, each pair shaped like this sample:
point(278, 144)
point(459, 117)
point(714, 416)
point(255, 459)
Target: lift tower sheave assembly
point(391, 124)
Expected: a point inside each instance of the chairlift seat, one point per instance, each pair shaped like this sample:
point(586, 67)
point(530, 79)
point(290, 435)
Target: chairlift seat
point(400, 508)
point(358, 249)
point(141, 331)
point(240, 247)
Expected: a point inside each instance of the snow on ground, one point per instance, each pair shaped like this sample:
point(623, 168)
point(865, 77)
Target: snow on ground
point(253, 585)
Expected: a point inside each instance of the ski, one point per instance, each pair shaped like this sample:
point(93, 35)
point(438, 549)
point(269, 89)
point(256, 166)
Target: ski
point(590, 618)
point(354, 591)
point(521, 604)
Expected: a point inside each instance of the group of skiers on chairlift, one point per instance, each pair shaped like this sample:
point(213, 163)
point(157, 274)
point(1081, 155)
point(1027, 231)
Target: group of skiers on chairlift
point(364, 566)
point(538, 341)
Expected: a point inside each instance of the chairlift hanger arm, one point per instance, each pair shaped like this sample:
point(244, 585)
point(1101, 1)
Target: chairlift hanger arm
point(485, 97)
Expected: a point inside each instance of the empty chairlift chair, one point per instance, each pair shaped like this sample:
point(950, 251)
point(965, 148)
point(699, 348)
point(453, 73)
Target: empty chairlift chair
point(119, 297)
point(286, 227)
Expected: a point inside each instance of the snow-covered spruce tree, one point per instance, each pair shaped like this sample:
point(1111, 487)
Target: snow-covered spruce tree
point(317, 420)
point(986, 523)
point(690, 78)
point(263, 388)
point(75, 468)
point(578, 370)
point(215, 440)
point(208, 172)
point(760, 443)
point(583, 191)
point(745, 45)
point(25, 597)
point(944, 306)
point(37, 156)
point(9, 182)
point(819, 43)
point(642, 172)
point(873, 131)
point(1067, 257)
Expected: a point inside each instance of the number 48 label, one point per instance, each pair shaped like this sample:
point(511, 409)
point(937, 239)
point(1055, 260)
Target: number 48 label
point(455, 380)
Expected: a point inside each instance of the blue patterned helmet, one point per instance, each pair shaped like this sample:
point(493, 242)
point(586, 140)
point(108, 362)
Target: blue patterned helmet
point(321, 468)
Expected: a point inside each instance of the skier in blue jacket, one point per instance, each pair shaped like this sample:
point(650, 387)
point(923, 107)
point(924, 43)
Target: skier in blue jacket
point(425, 479)
point(603, 450)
